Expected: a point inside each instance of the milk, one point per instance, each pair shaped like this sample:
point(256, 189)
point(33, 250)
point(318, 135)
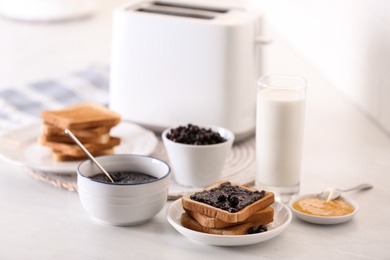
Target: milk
point(279, 134)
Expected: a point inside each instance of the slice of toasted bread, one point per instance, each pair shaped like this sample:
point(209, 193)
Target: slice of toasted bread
point(74, 150)
point(93, 132)
point(81, 116)
point(102, 139)
point(240, 229)
point(224, 215)
point(60, 157)
point(263, 216)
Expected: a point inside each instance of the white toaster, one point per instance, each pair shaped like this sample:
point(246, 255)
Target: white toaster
point(186, 62)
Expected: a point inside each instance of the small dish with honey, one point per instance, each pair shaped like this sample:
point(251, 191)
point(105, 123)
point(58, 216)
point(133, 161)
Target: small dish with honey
point(312, 209)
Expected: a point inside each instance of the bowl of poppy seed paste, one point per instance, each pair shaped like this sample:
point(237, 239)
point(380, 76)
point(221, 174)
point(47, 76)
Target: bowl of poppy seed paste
point(197, 154)
point(138, 193)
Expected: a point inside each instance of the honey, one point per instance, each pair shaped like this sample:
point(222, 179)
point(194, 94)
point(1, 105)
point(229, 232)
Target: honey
point(318, 207)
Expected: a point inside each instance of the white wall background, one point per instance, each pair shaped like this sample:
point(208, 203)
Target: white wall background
point(348, 41)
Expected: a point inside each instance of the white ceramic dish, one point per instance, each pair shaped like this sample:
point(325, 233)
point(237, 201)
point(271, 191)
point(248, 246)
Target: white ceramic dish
point(282, 219)
point(21, 147)
point(121, 204)
point(324, 220)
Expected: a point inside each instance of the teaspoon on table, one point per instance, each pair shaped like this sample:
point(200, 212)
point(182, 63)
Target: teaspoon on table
point(334, 193)
point(82, 147)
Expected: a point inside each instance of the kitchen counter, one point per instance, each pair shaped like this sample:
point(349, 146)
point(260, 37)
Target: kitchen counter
point(342, 148)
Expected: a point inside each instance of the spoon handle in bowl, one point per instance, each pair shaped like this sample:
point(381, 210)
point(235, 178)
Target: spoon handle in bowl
point(82, 147)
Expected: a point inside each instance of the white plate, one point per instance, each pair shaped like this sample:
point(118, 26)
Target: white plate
point(282, 219)
point(321, 219)
point(21, 147)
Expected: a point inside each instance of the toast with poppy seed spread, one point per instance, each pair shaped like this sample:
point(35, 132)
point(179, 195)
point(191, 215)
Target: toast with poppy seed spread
point(228, 203)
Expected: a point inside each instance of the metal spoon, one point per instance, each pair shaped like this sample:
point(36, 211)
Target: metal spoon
point(334, 193)
point(82, 147)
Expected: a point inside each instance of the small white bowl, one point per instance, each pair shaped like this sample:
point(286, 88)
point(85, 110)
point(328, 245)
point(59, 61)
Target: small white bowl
point(324, 220)
point(123, 204)
point(198, 165)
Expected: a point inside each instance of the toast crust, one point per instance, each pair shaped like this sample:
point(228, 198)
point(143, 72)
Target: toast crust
point(213, 212)
point(240, 229)
point(60, 157)
point(81, 116)
point(93, 132)
point(102, 139)
point(74, 150)
point(260, 217)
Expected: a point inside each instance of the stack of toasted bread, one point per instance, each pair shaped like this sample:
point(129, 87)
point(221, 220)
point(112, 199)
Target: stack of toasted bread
point(89, 122)
point(206, 218)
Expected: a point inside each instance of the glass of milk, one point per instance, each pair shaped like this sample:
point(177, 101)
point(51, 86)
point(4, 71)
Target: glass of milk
point(279, 134)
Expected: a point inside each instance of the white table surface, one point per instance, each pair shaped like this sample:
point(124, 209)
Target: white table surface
point(342, 148)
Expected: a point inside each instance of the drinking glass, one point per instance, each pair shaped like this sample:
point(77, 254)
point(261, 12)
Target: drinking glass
point(279, 134)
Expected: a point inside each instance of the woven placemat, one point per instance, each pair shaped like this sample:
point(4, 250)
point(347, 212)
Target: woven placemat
point(239, 169)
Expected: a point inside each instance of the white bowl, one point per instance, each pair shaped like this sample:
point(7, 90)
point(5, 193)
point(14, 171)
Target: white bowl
point(123, 204)
point(124, 215)
point(324, 220)
point(198, 165)
point(120, 201)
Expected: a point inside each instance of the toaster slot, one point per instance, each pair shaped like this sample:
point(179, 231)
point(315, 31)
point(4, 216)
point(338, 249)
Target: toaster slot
point(175, 13)
point(192, 7)
point(183, 10)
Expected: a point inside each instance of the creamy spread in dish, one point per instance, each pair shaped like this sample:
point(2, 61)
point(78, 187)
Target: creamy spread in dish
point(318, 207)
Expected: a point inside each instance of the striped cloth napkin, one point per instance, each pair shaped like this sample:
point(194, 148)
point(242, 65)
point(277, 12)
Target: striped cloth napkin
point(21, 105)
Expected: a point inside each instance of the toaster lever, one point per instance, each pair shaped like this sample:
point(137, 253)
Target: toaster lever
point(260, 39)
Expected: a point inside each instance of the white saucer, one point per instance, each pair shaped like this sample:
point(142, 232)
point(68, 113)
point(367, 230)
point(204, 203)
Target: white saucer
point(324, 220)
point(282, 219)
point(21, 147)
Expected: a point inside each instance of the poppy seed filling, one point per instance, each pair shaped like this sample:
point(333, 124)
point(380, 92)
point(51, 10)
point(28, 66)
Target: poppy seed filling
point(228, 197)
